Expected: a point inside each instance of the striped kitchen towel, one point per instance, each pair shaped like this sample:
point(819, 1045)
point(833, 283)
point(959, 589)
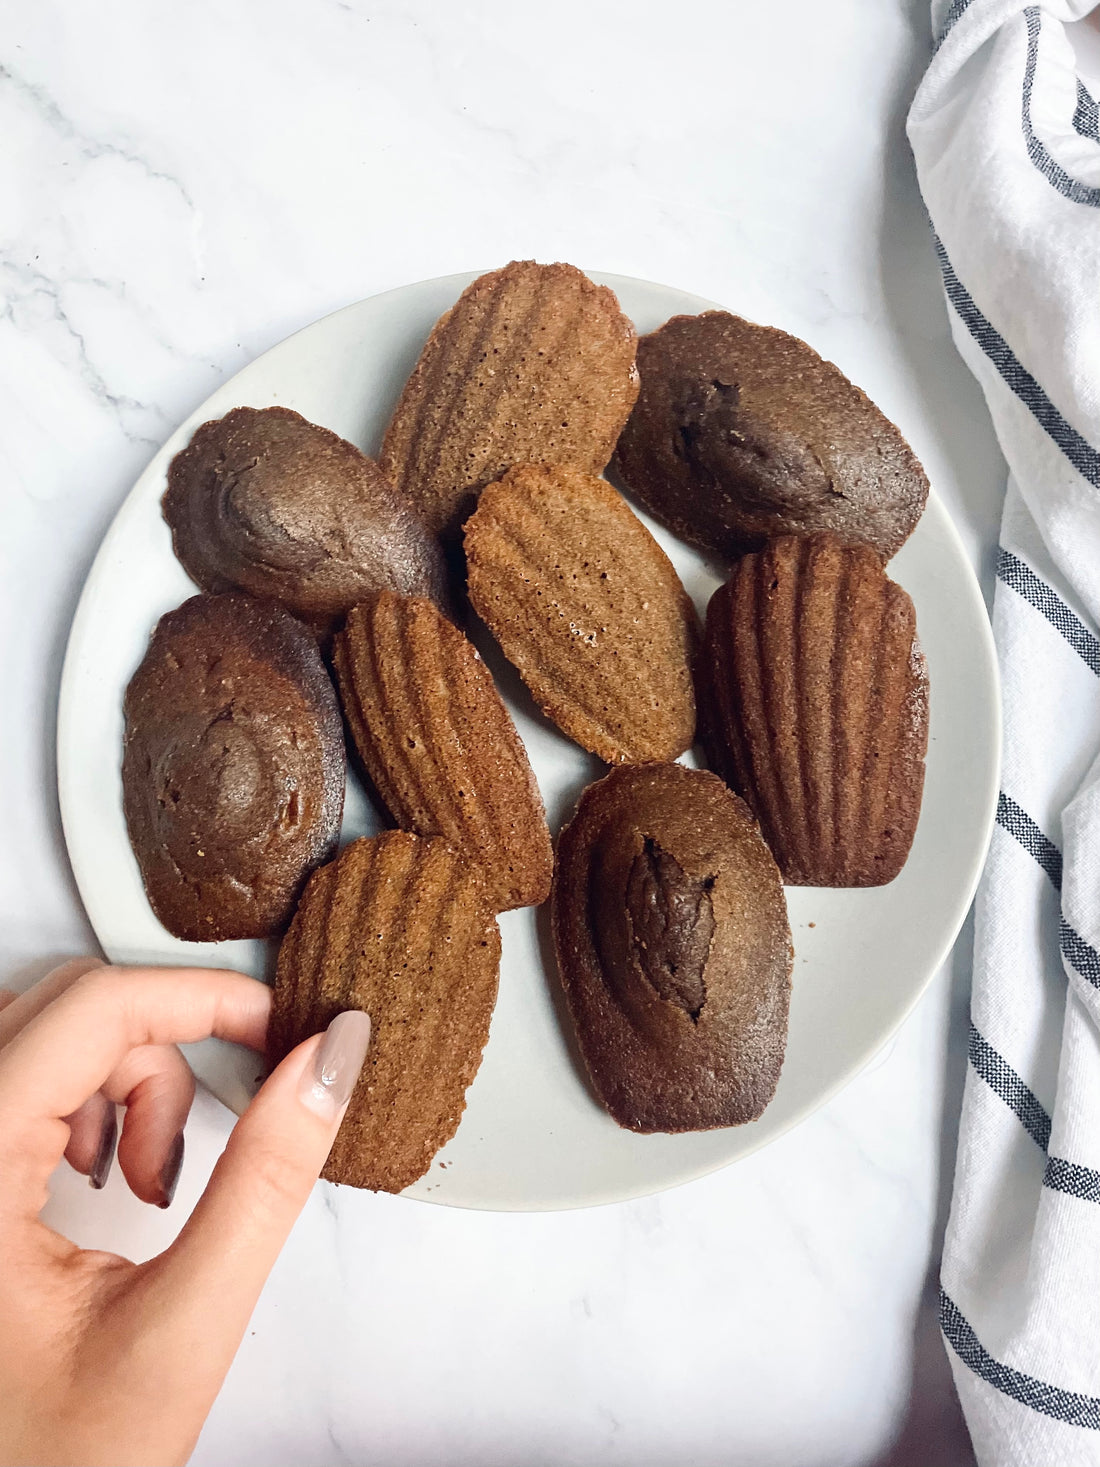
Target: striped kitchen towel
point(1008, 156)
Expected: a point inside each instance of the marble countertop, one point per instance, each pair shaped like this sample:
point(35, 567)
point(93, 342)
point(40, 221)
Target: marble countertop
point(184, 187)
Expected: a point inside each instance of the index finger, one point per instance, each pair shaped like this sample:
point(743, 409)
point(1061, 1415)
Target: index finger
point(66, 1052)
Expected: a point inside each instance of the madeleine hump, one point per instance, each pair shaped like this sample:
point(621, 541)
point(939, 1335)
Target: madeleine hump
point(742, 432)
point(533, 364)
point(439, 745)
point(233, 767)
point(817, 698)
point(269, 503)
point(588, 607)
point(401, 927)
point(674, 949)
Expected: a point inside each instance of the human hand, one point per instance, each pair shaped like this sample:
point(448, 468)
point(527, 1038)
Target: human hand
point(103, 1360)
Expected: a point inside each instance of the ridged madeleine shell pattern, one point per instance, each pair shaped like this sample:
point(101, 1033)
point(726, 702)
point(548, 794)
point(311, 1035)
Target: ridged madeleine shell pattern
point(819, 707)
point(533, 364)
point(588, 607)
point(674, 949)
point(439, 745)
point(400, 927)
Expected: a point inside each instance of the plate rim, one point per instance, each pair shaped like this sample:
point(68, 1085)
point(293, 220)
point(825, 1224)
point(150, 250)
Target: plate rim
point(67, 715)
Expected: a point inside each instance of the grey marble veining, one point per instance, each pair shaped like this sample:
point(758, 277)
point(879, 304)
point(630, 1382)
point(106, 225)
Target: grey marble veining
point(181, 189)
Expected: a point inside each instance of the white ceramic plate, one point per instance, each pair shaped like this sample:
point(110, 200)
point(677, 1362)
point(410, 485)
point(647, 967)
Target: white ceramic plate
point(532, 1136)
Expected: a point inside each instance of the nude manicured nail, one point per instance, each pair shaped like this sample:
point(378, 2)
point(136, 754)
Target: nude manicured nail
point(327, 1085)
point(170, 1171)
point(101, 1167)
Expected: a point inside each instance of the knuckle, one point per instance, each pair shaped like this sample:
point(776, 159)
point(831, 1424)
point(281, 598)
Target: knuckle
point(114, 987)
point(105, 998)
point(156, 1076)
point(98, 985)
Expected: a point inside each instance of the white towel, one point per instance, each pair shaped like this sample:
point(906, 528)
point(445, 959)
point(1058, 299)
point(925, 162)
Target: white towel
point(1008, 156)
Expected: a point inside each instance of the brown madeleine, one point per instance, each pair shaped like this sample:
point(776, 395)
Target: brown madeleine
point(742, 432)
point(439, 745)
point(267, 502)
point(402, 928)
point(533, 364)
point(819, 699)
point(588, 607)
point(674, 949)
point(233, 767)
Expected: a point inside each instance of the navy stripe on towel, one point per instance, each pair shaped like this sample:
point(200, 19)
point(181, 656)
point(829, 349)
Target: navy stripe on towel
point(1069, 187)
point(1081, 454)
point(1076, 951)
point(1067, 1406)
point(1018, 823)
point(1086, 119)
point(1060, 1175)
point(1020, 578)
point(955, 9)
point(1067, 1176)
point(1003, 1080)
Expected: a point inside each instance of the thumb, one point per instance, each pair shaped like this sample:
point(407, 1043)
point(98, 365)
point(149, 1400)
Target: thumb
point(222, 1257)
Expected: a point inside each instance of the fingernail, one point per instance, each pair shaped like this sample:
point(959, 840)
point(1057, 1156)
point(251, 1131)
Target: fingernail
point(327, 1086)
point(170, 1171)
point(101, 1167)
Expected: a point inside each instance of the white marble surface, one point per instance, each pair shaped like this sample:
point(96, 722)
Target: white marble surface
point(182, 187)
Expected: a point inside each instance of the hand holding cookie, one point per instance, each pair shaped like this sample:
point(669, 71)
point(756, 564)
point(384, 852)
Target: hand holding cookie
point(102, 1360)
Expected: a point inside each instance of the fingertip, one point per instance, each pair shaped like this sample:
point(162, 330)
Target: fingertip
point(157, 1087)
point(88, 1126)
point(328, 1081)
point(105, 1152)
point(270, 1165)
point(170, 1172)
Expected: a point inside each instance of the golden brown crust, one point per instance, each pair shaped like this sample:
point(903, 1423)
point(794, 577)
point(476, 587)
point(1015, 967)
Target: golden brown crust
point(742, 432)
point(588, 607)
point(820, 700)
point(233, 767)
point(267, 502)
point(400, 927)
point(533, 364)
point(674, 949)
point(439, 745)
